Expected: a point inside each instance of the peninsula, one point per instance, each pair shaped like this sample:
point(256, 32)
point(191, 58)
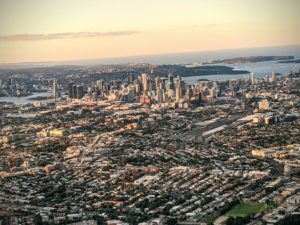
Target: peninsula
point(251, 59)
point(290, 61)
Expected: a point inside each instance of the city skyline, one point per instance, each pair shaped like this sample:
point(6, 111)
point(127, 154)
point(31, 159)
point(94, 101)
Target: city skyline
point(64, 30)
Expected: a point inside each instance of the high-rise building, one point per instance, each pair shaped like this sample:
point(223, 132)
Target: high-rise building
point(74, 91)
point(130, 77)
point(130, 93)
point(178, 90)
point(159, 95)
point(144, 78)
point(171, 81)
point(243, 100)
point(188, 93)
point(163, 84)
point(274, 77)
point(101, 85)
point(55, 89)
point(136, 87)
point(158, 83)
point(80, 92)
point(70, 90)
point(252, 78)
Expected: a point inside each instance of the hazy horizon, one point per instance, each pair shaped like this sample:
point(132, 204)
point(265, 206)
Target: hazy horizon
point(60, 30)
point(172, 58)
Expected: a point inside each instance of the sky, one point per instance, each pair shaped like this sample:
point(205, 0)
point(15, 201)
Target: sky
point(55, 30)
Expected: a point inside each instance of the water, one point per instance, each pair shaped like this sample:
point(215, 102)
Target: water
point(25, 100)
point(191, 57)
point(260, 69)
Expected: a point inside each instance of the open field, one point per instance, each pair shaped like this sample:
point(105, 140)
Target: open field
point(246, 208)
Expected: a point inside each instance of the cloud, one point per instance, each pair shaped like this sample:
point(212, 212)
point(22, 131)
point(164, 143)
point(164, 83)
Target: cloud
point(37, 37)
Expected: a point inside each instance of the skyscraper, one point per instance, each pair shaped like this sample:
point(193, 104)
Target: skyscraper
point(55, 89)
point(252, 78)
point(243, 100)
point(130, 77)
point(159, 95)
point(158, 83)
point(130, 93)
point(101, 85)
point(137, 87)
point(70, 90)
point(80, 92)
point(171, 81)
point(144, 82)
point(74, 91)
point(178, 89)
point(274, 77)
point(188, 93)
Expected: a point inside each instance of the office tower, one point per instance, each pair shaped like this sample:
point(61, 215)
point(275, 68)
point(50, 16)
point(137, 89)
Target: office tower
point(243, 100)
point(130, 93)
point(274, 77)
point(80, 92)
point(130, 77)
point(55, 89)
point(151, 85)
point(178, 89)
point(144, 79)
point(158, 83)
point(163, 84)
point(252, 78)
point(74, 91)
point(188, 93)
point(136, 87)
point(70, 90)
point(101, 85)
point(171, 81)
point(159, 95)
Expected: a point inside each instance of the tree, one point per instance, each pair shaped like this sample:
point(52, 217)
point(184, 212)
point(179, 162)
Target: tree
point(171, 221)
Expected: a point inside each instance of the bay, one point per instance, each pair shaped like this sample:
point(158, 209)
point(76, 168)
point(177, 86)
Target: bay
point(26, 99)
point(260, 69)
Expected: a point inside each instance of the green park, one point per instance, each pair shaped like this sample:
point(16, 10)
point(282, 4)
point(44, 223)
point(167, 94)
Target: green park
point(245, 209)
